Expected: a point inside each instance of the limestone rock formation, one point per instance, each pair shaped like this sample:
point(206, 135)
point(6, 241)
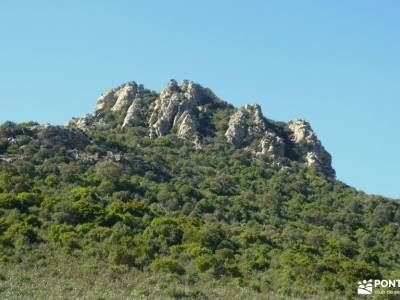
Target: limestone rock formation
point(133, 115)
point(118, 98)
point(187, 126)
point(187, 129)
point(272, 146)
point(126, 99)
point(245, 125)
point(176, 107)
point(248, 125)
point(309, 147)
point(188, 110)
point(86, 122)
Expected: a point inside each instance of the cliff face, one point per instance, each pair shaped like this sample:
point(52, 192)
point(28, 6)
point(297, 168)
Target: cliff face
point(185, 110)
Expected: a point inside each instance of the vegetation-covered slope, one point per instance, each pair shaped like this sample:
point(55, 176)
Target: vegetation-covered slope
point(110, 213)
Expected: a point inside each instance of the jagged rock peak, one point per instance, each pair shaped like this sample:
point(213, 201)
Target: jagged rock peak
point(302, 131)
point(246, 124)
point(125, 99)
point(309, 147)
point(176, 107)
point(193, 92)
point(118, 98)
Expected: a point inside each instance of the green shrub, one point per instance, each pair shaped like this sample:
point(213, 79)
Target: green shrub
point(167, 265)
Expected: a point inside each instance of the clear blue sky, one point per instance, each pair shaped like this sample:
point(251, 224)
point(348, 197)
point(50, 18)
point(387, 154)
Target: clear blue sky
point(334, 63)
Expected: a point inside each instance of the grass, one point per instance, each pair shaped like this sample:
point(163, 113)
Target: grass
point(71, 279)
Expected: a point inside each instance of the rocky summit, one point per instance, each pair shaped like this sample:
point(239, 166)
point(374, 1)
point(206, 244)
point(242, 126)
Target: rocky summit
point(186, 109)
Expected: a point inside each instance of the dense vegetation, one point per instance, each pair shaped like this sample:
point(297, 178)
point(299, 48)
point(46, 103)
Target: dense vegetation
point(137, 217)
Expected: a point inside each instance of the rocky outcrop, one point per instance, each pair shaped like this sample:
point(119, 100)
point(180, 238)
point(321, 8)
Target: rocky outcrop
point(86, 122)
point(187, 109)
point(248, 128)
point(245, 125)
point(187, 126)
point(134, 114)
point(272, 146)
point(167, 109)
point(126, 99)
point(118, 98)
point(187, 129)
point(309, 148)
point(176, 108)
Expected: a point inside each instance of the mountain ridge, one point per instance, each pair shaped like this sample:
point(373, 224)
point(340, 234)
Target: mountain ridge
point(178, 108)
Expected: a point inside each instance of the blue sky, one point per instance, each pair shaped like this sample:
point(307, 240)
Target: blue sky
point(334, 63)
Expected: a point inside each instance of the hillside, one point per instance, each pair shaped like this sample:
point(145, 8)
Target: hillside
point(179, 194)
